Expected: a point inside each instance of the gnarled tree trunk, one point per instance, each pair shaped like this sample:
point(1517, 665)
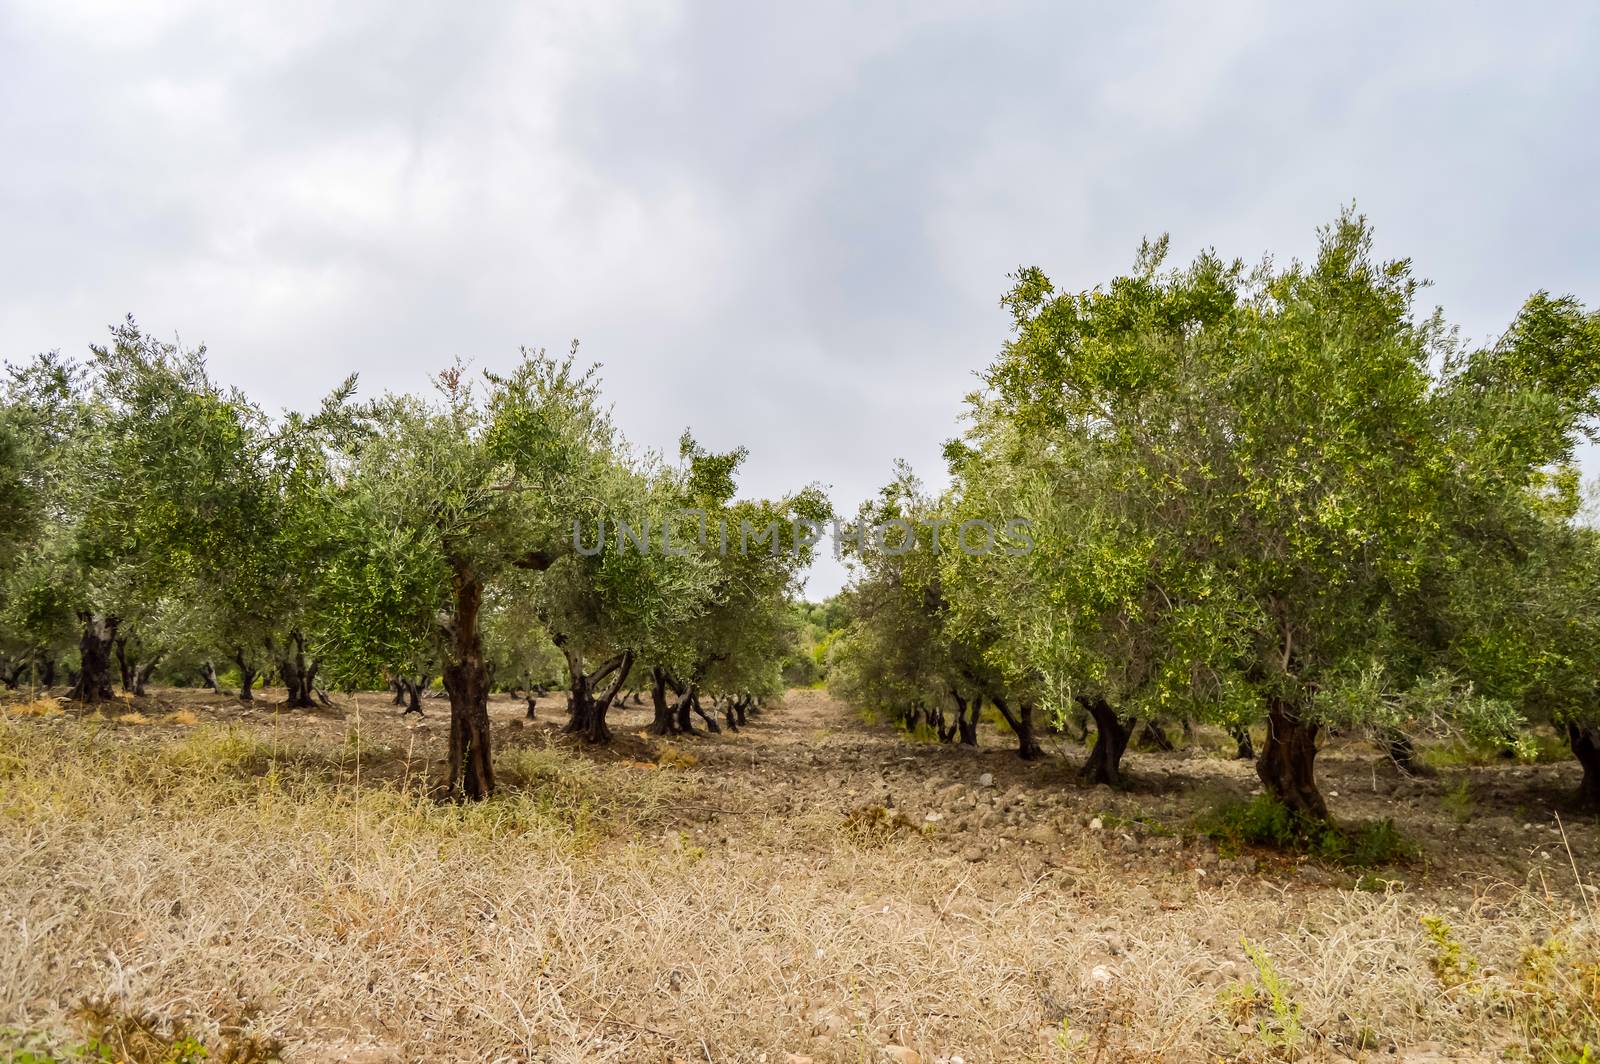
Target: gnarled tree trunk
point(247, 676)
point(93, 685)
point(665, 722)
point(471, 763)
point(693, 704)
point(947, 734)
point(589, 709)
point(1288, 760)
point(1021, 723)
point(1586, 748)
point(967, 720)
point(1104, 764)
point(142, 676)
point(126, 663)
point(297, 676)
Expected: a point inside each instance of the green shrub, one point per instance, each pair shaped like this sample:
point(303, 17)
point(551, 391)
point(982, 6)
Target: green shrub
point(1264, 821)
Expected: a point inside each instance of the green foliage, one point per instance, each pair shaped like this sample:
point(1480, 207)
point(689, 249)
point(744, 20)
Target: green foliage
point(1451, 964)
point(1264, 821)
point(1557, 1001)
point(1280, 485)
point(1267, 1001)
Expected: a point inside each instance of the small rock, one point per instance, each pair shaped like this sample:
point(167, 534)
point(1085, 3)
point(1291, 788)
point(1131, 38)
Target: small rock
point(972, 853)
point(986, 780)
point(934, 818)
point(1097, 824)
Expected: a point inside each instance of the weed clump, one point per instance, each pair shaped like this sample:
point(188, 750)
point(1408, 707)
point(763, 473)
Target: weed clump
point(875, 825)
point(1266, 822)
point(1557, 995)
point(105, 1032)
point(1265, 1004)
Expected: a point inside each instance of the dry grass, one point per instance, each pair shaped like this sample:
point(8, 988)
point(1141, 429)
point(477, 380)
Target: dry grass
point(717, 910)
point(35, 707)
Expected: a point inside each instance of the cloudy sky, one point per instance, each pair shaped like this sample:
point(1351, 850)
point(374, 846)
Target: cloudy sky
point(783, 226)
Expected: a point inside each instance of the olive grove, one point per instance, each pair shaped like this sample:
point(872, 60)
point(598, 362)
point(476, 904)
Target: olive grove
point(1280, 497)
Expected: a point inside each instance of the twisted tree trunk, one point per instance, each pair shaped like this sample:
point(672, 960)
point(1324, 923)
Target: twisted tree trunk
point(1021, 723)
point(93, 685)
point(126, 664)
point(297, 676)
point(665, 722)
point(247, 676)
point(588, 709)
point(1288, 760)
point(466, 679)
point(142, 676)
point(694, 705)
point(967, 720)
point(1586, 747)
point(1104, 764)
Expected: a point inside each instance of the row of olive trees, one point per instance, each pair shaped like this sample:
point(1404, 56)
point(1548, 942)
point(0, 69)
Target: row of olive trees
point(151, 515)
point(1275, 497)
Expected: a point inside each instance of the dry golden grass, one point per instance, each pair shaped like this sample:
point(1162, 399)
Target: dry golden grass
point(720, 911)
point(36, 707)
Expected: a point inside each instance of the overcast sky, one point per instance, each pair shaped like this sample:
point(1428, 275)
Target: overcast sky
point(784, 226)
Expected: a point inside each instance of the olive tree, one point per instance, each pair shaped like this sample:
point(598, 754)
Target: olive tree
point(1281, 449)
point(448, 498)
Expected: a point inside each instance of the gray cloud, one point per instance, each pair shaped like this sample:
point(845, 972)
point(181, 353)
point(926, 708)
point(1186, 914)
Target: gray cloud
point(785, 227)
